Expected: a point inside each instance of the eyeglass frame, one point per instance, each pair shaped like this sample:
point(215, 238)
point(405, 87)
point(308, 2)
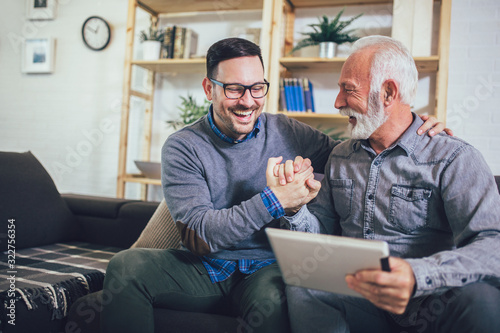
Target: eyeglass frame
point(245, 87)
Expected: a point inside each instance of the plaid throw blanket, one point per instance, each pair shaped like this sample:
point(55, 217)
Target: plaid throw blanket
point(55, 275)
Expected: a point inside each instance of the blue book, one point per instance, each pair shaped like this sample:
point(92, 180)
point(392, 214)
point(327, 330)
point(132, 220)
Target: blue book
point(307, 95)
point(312, 96)
point(296, 94)
point(288, 93)
point(300, 94)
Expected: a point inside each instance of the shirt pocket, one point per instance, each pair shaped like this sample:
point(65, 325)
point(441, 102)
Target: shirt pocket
point(409, 207)
point(341, 190)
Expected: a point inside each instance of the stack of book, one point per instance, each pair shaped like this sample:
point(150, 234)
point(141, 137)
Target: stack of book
point(296, 95)
point(179, 43)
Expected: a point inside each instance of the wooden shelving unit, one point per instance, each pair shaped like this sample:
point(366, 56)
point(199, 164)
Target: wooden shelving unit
point(177, 66)
point(285, 15)
point(424, 64)
point(276, 14)
point(173, 65)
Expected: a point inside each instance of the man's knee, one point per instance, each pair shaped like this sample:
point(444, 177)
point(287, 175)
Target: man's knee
point(125, 266)
point(483, 300)
point(473, 308)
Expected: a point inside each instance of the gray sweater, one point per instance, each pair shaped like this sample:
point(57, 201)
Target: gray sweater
point(212, 188)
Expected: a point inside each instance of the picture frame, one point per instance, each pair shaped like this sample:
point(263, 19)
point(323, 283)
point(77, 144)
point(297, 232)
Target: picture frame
point(38, 55)
point(41, 9)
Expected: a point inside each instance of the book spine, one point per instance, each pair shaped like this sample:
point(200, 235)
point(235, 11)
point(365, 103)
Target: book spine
point(296, 95)
point(187, 44)
point(307, 95)
point(288, 93)
point(300, 93)
point(283, 103)
point(179, 42)
point(311, 90)
point(171, 45)
point(165, 48)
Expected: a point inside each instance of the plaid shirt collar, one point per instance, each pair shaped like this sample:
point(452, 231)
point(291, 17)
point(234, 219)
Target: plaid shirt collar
point(224, 137)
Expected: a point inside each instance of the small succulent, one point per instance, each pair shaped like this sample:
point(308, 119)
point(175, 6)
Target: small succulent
point(328, 31)
point(153, 33)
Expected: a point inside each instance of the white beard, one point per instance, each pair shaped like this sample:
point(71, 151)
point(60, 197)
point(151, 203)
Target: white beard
point(367, 123)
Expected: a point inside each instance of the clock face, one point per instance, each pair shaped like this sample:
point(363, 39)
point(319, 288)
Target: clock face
point(96, 33)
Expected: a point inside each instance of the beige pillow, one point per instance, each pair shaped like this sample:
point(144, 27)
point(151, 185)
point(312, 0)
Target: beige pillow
point(160, 232)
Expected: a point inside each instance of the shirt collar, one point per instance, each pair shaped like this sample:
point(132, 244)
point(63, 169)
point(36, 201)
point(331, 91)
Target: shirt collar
point(408, 140)
point(224, 137)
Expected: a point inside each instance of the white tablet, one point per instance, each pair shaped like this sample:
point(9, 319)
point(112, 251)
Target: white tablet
point(321, 262)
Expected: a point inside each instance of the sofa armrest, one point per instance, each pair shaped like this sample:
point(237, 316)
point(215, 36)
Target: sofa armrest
point(110, 221)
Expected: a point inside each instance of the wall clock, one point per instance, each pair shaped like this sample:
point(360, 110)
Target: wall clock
point(96, 33)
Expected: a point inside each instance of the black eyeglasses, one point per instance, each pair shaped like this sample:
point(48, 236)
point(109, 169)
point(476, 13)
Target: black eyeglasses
point(237, 91)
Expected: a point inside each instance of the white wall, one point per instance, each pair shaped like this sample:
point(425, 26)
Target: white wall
point(70, 119)
point(474, 80)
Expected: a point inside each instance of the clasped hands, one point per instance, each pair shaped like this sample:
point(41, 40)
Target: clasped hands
point(294, 185)
point(292, 182)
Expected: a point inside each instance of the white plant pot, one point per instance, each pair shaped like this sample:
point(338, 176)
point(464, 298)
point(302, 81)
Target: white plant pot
point(151, 50)
point(327, 49)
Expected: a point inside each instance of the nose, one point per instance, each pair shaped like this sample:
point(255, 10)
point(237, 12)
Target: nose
point(340, 100)
point(246, 99)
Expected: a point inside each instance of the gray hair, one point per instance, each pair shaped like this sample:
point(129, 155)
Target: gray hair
point(392, 60)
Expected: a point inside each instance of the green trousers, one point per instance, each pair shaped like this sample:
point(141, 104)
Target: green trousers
point(139, 279)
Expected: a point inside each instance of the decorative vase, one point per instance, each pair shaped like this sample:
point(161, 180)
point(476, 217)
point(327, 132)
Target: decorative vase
point(327, 49)
point(151, 50)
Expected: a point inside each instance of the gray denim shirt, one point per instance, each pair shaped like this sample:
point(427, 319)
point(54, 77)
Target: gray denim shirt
point(434, 200)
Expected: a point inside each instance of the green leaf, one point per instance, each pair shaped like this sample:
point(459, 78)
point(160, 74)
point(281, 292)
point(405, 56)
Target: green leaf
point(190, 112)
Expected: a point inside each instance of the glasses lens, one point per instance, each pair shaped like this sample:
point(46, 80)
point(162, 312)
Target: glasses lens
point(234, 91)
point(258, 90)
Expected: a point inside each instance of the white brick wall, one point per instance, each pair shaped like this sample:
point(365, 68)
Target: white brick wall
point(474, 81)
point(70, 119)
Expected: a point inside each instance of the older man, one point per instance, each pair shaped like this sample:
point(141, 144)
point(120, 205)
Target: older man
point(433, 200)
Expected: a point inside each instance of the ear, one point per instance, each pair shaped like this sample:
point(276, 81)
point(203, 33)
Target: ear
point(207, 87)
point(390, 91)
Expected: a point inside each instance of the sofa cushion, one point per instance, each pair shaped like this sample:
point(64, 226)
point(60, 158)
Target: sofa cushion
point(30, 204)
point(160, 232)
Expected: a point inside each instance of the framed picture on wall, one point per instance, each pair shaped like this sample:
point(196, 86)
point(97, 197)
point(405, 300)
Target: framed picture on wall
point(40, 9)
point(38, 55)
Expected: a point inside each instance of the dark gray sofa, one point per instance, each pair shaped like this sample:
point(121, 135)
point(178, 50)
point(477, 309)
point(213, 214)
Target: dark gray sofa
point(59, 247)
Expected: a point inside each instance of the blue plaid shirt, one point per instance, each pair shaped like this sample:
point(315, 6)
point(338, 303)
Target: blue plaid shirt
point(219, 269)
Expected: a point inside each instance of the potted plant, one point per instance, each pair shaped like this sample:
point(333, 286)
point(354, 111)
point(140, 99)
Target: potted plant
point(190, 112)
point(152, 41)
point(327, 34)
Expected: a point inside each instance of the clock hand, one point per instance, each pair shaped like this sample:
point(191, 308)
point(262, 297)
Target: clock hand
point(89, 28)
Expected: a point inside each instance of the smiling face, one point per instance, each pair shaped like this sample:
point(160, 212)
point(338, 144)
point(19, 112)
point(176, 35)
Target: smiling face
point(355, 100)
point(236, 117)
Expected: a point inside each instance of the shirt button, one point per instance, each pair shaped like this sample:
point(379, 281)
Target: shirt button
point(428, 280)
point(370, 196)
point(464, 280)
point(369, 231)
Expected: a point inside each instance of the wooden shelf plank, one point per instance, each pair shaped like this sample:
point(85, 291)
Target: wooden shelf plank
point(424, 64)
point(316, 64)
point(313, 115)
point(139, 178)
point(329, 3)
point(173, 65)
point(183, 6)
